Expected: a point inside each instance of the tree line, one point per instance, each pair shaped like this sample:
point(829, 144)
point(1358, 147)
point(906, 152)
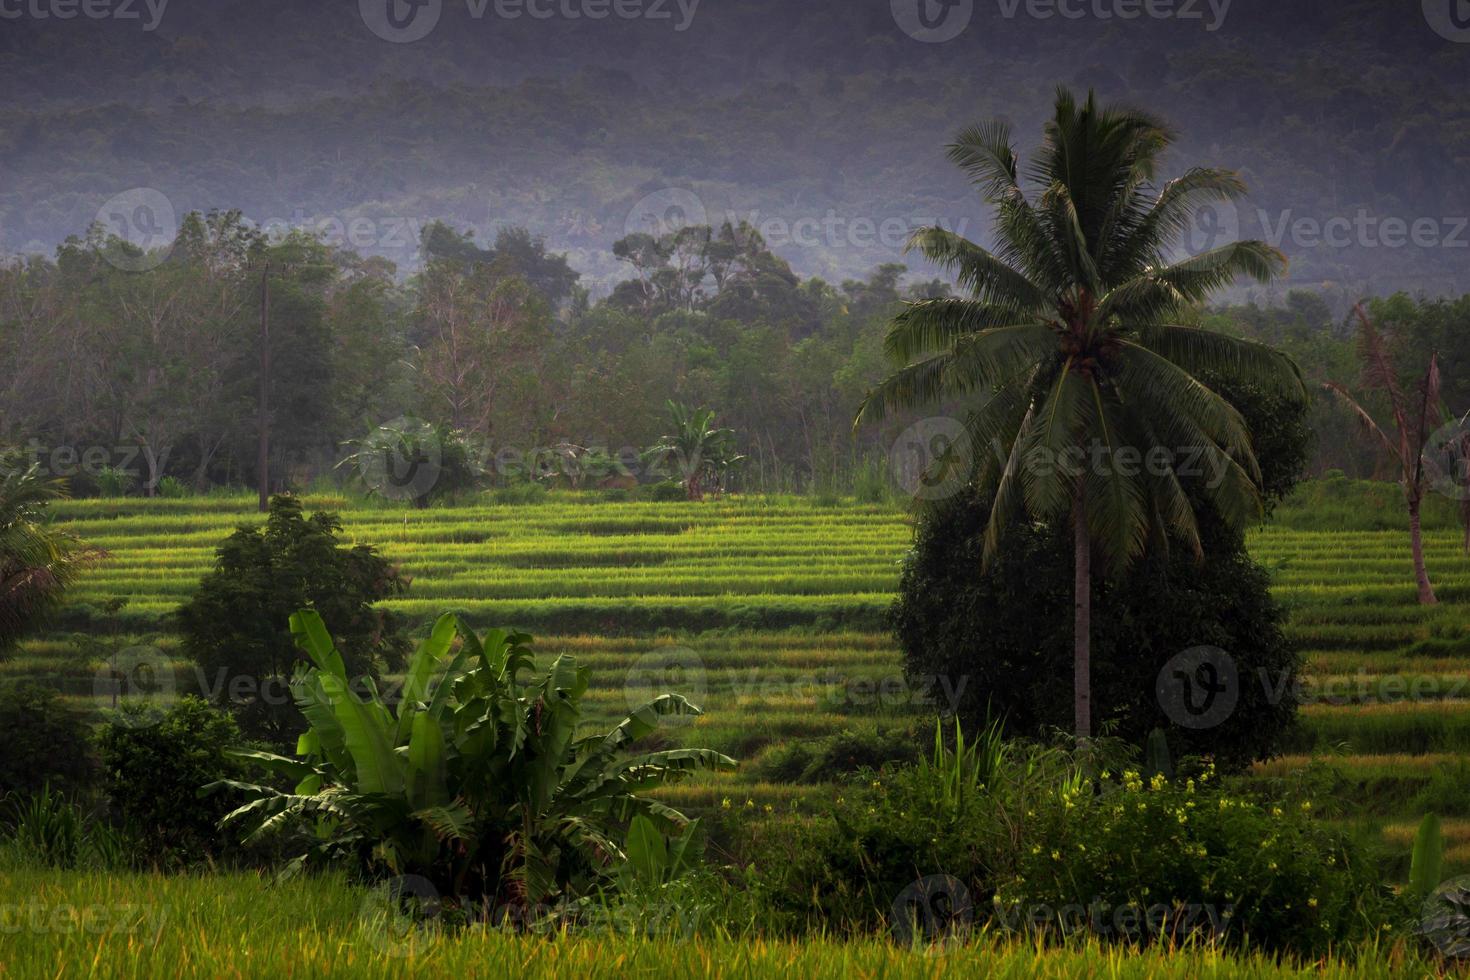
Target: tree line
point(127, 371)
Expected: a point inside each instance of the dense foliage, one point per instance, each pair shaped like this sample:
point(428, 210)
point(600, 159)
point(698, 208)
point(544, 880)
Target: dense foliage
point(471, 782)
point(1217, 866)
point(152, 769)
point(1003, 637)
point(235, 627)
point(46, 740)
point(37, 560)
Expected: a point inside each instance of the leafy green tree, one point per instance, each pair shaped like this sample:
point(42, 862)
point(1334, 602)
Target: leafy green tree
point(236, 625)
point(37, 559)
point(1082, 389)
point(998, 644)
point(471, 778)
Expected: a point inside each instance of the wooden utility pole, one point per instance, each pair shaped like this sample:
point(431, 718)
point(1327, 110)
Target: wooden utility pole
point(262, 459)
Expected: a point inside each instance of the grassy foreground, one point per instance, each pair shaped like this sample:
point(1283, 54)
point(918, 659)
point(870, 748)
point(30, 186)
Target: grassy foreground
point(55, 924)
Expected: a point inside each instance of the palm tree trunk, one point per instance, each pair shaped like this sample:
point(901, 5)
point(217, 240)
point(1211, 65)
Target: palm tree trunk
point(1416, 543)
point(1082, 622)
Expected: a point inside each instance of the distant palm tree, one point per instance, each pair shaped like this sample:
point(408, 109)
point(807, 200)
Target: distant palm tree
point(37, 561)
point(1085, 400)
point(704, 454)
point(1414, 416)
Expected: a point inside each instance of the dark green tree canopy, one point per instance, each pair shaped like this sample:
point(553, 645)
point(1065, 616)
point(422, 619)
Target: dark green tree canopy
point(236, 628)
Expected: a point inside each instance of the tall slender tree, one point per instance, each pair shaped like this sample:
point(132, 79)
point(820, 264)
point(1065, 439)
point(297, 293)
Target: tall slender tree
point(1082, 395)
point(1415, 415)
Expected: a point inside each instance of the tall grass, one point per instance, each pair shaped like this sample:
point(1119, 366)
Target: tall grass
point(132, 925)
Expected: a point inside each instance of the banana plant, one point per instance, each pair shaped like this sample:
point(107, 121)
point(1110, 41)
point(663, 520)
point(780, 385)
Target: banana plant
point(475, 778)
point(703, 454)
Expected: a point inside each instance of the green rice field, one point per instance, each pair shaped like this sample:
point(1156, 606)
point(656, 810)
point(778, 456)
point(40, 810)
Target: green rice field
point(768, 613)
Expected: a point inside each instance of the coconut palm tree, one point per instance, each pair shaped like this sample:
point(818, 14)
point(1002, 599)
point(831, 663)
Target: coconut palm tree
point(37, 561)
point(1082, 392)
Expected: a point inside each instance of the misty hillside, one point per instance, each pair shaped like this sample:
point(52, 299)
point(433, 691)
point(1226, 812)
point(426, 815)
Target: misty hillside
point(823, 124)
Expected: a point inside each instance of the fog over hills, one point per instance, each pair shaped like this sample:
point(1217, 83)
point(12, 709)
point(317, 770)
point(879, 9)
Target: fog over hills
point(822, 123)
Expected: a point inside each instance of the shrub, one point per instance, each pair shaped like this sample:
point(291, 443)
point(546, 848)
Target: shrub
point(1003, 637)
point(472, 781)
point(667, 492)
point(152, 773)
point(235, 626)
point(834, 756)
point(172, 488)
point(112, 482)
point(520, 494)
point(48, 828)
point(52, 831)
point(954, 814)
point(46, 741)
point(1166, 860)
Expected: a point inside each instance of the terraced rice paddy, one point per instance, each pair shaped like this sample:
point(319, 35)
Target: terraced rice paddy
point(768, 613)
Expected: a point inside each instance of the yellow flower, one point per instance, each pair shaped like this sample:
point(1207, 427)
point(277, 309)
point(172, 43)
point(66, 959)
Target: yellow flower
point(1157, 783)
point(1056, 855)
point(1306, 806)
point(725, 803)
point(769, 809)
point(1312, 902)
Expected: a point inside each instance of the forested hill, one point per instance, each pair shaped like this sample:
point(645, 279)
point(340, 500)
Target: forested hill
point(823, 123)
